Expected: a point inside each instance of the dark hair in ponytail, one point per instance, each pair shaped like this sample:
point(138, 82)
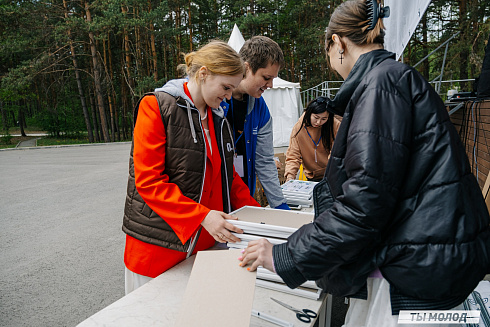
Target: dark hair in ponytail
point(319, 106)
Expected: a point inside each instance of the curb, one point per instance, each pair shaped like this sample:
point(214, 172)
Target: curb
point(60, 146)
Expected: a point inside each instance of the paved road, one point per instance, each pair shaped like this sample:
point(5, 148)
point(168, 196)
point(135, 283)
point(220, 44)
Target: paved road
point(61, 244)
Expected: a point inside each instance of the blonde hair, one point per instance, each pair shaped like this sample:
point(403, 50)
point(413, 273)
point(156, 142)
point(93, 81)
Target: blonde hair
point(351, 19)
point(218, 57)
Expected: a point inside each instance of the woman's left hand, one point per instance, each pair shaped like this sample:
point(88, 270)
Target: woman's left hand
point(259, 253)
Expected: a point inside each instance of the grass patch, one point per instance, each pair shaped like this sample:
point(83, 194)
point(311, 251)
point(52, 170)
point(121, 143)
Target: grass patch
point(46, 141)
point(9, 141)
point(80, 139)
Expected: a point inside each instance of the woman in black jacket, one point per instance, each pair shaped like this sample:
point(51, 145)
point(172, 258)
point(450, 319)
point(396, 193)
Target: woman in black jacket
point(400, 218)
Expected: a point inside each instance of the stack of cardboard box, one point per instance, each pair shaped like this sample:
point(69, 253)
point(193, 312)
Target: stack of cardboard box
point(276, 226)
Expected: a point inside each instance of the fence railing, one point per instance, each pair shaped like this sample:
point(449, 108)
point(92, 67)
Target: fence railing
point(329, 88)
point(324, 89)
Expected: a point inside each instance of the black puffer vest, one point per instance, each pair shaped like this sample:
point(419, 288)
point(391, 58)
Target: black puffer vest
point(185, 164)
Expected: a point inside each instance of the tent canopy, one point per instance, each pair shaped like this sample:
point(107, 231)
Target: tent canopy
point(236, 39)
point(283, 99)
point(279, 83)
point(284, 103)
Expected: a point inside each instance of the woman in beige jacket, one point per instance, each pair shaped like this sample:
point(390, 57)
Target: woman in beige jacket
point(311, 140)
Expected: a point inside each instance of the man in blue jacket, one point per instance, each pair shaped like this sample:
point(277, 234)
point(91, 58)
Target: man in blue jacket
point(251, 120)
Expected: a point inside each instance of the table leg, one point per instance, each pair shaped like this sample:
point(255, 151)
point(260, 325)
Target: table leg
point(325, 312)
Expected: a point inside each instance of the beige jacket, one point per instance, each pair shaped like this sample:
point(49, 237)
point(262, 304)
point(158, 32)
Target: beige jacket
point(301, 150)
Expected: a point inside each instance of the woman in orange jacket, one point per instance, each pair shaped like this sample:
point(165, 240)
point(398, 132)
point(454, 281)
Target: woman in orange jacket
point(182, 183)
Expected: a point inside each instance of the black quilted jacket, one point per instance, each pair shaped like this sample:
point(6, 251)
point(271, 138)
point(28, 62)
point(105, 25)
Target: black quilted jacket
point(398, 194)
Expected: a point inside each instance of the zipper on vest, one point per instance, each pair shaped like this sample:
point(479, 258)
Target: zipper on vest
point(191, 124)
point(193, 132)
point(223, 122)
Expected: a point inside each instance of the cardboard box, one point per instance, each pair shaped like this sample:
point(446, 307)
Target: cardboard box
point(281, 166)
point(259, 195)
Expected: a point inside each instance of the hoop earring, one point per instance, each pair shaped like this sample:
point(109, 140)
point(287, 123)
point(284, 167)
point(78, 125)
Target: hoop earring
point(341, 51)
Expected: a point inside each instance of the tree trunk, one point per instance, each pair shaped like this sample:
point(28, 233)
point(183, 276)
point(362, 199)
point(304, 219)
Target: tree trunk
point(4, 119)
point(165, 71)
point(463, 54)
point(112, 92)
point(24, 113)
point(178, 36)
point(14, 120)
point(215, 7)
point(98, 84)
point(94, 117)
point(82, 95)
point(79, 81)
point(139, 48)
point(124, 100)
point(425, 50)
point(21, 121)
point(109, 98)
point(153, 47)
point(474, 27)
point(128, 60)
point(129, 81)
point(117, 125)
point(189, 24)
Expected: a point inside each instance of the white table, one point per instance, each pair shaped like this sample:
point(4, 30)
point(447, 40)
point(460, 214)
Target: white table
point(157, 303)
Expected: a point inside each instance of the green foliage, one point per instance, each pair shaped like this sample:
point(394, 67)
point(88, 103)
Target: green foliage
point(139, 44)
point(147, 84)
point(465, 52)
point(16, 84)
point(6, 139)
point(59, 122)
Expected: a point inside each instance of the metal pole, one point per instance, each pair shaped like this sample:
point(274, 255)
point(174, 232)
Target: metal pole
point(452, 37)
point(442, 69)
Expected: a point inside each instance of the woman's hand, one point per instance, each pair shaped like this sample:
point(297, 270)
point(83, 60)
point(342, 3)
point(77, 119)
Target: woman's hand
point(216, 225)
point(259, 253)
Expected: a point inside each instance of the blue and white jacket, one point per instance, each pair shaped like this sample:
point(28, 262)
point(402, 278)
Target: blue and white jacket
point(260, 150)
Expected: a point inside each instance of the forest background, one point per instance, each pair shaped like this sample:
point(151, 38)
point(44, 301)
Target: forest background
point(76, 68)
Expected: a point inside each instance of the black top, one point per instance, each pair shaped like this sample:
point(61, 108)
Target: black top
point(236, 116)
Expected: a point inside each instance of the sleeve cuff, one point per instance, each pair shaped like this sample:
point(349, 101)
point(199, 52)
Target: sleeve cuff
point(285, 266)
point(283, 206)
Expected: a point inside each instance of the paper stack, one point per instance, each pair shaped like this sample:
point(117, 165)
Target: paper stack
point(276, 226)
point(298, 192)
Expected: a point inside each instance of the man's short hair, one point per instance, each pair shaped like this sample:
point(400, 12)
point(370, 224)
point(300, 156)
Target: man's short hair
point(260, 51)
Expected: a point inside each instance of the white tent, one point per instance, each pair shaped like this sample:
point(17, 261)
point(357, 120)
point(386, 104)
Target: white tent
point(283, 99)
point(284, 103)
point(236, 39)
